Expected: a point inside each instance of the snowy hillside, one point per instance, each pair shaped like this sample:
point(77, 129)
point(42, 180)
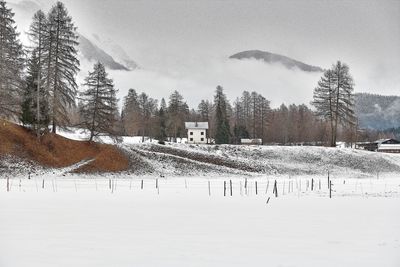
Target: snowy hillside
point(182, 159)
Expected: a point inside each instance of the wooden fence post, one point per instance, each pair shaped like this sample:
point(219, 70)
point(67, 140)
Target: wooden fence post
point(224, 188)
point(328, 181)
point(256, 188)
point(230, 184)
point(330, 189)
point(209, 188)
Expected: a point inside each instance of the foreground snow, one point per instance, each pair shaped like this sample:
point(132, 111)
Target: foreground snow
point(83, 222)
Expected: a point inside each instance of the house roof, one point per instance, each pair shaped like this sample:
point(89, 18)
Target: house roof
point(389, 147)
point(196, 125)
point(382, 141)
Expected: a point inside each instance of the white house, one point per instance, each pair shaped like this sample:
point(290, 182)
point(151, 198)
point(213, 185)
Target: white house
point(196, 132)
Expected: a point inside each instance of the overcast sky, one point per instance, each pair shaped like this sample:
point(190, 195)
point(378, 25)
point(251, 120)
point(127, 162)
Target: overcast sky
point(184, 45)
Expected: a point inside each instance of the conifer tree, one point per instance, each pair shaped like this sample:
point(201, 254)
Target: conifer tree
point(31, 114)
point(162, 119)
point(178, 111)
point(131, 113)
point(62, 65)
point(222, 128)
point(334, 98)
point(11, 64)
point(99, 103)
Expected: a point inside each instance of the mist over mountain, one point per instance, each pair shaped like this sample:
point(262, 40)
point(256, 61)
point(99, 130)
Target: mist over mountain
point(272, 58)
point(377, 111)
point(92, 52)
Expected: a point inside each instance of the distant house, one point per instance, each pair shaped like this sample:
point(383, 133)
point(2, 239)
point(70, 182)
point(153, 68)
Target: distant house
point(244, 141)
point(381, 145)
point(196, 132)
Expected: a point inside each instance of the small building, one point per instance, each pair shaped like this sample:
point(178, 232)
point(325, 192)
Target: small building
point(196, 132)
point(381, 145)
point(254, 141)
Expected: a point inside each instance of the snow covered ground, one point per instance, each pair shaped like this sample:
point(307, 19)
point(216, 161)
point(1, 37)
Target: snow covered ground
point(78, 220)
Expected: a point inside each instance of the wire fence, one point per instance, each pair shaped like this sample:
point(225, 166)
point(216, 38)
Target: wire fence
point(214, 186)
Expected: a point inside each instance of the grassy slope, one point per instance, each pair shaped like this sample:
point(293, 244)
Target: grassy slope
point(56, 151)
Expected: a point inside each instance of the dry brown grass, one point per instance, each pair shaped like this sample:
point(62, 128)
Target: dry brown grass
point(56, 151)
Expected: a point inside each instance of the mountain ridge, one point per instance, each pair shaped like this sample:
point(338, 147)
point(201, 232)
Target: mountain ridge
point(272, 58)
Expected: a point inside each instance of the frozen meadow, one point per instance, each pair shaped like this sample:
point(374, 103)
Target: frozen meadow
point(126, 220)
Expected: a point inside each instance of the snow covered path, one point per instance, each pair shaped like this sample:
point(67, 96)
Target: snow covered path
point(81, 223)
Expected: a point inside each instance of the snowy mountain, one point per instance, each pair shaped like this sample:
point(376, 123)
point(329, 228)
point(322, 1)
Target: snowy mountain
point(92, 52)
point(378, 111)
point(275, 58)
point(116, 51)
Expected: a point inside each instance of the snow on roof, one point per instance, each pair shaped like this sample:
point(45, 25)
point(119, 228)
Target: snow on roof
point(196, 125)
point(389, 147)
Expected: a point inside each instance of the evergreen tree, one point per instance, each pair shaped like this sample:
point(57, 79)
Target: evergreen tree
point(11, 64)
point(30, 109)
point(99, 103)
point(162, 119)
point(61, 64)
point(222, 128)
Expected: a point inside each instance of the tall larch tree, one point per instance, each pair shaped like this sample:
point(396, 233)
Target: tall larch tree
point(334, 98)
point(60, 51)
point(99, 103)
point(38, 33)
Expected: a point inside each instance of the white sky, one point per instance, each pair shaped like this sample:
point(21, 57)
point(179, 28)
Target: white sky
point(184, 45)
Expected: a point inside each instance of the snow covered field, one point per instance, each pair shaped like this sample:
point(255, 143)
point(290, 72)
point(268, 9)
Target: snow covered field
point(111, 221)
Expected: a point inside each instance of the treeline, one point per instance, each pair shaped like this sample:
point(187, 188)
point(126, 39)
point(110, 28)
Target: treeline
point(38, 87)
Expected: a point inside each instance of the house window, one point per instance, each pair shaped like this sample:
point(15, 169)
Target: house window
point(202, 133)
point(191, 139)
point(202, 139)
point(191, 133)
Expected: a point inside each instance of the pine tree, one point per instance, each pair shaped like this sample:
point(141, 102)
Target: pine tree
point(11, 64)
point(99, 103)
point(61, 64)
point(222, 128)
